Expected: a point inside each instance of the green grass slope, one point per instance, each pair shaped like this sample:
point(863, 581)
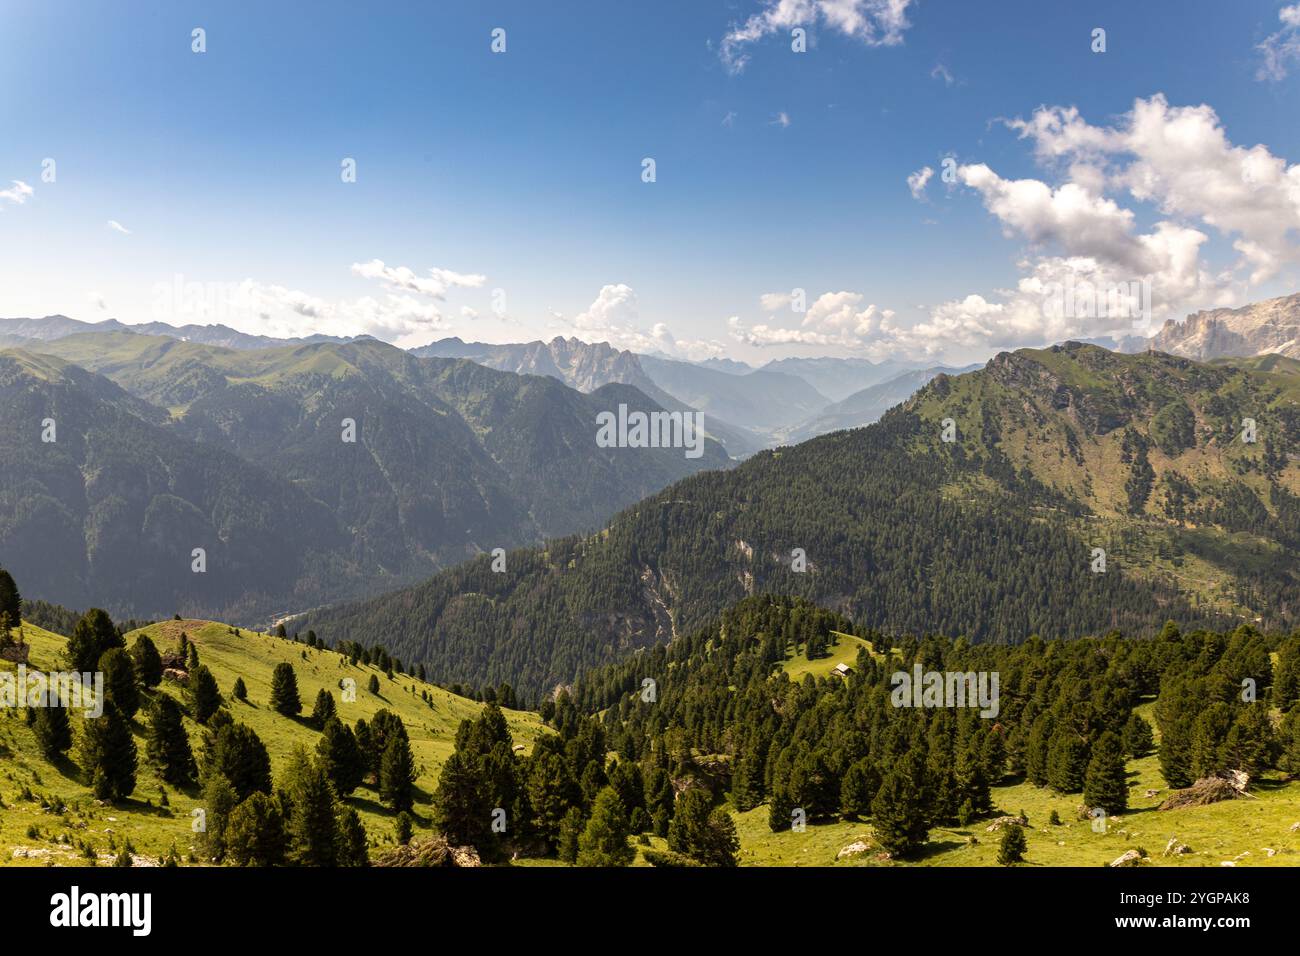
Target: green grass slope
point(47, 814)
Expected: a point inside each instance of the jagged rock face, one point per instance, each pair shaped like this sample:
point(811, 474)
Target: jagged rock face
point(1256, 329)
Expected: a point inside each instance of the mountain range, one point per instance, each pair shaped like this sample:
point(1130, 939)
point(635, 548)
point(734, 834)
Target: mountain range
point(1058, 459)
point(306, 473)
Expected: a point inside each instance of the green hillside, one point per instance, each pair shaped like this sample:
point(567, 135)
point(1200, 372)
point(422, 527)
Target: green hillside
point(30, 785)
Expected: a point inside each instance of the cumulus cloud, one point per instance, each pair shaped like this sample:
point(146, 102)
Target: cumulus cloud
point(916, 182)
point(834, 319)
point(614, 317)
point(1279, 49)
point(17, 193)
point(1180, 160)
point(402, 279)
point(871, 22)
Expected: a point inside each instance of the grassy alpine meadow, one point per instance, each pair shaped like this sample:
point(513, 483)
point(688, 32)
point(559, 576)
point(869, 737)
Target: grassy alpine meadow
point(49, 817)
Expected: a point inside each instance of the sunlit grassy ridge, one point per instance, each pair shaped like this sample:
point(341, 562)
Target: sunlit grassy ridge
point(151, 829)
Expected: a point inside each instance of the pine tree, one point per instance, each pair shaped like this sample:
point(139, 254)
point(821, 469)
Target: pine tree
point(313, 814)
point(219, 802)
point(204, 695)
point(53, 729)
point(119, 681)
point(147, 662)
point(93, 635)
point(1138, 738)
point(1105, 785)
point(372, 685)
point(255, 833)
point(1011, 849)
point(1252, 744)
point(324, 708)
point(11, 602)
point(403, 828)
point(342, 757)
point(571, 827)
point(604, 841)
point(701, 833)
point(167, 746)
point(1067, 762)
point(239, 691)
point(899, 814)
point(108, 754)
point(460, 807)
point(239, 755)
point(353, 846)
point(397, 775)
point(284, 691)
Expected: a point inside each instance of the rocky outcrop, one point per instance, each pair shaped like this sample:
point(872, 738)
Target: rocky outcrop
point(1256, 329)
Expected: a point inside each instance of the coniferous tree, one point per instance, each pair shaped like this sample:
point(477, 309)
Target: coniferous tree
point(255, 833)
point(93, 635)
point(353, 846)
point(1011, 849)
point(203, 693)
point(858, 788)
point(167, 746)
point(397, 774)
point(313, 813)
point(108, 754)
point(1067, 762)
point(899, 814)
point(239, 691)
point(11, 602)
point(1138, 739)
point(372, 685)
point(571, 827)
point(324, 708)
point(702, 833)
point(403, 828)
point(120, 681)
point(239, 755)
point(342, 756)
point(219, 802)
point(284, 690)
point(1104, 784)
point(604, 841)
point(460, 806)
point(53, 729)
point(147, 662)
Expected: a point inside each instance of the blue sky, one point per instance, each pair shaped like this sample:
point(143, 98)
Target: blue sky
point(499, 196)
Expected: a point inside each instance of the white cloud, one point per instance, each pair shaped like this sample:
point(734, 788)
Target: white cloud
point(872, 22)
point(916, 182)
point(614, 317)
point(781, 119)
point(403, 279)
point(730, 119)
point(941, 72)
point(118, 227)
point(18, 193)
point(1279, 49)
point(97, 300)
point(834, 319)
point(1180, 160)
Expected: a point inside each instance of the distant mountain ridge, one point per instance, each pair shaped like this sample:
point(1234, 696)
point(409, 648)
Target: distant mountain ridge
point(1271, 326)
point(446, 459)
point(53, 327)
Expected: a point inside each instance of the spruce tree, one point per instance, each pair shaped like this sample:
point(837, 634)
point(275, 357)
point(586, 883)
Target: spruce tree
point(1137, 739)
point(353, 847)
point(1067, 762)
point(899, 814)
point(461, 810)
point(255, 833)
point(203, 693)
point(11, 602)
point(93, 634)
point(240, 690)
point(219, 802)
point(108, 754)
point(372, 685)
point(284, 691)
point(604, 841)
point(397, 775)
point(239, 755)
point(120, 681)
point(571, 827)
point(342, 756)
point(1011, 850)
point(53, 729)
point(313, 816)
point(147, 662)
point(167, 746)
point(324, 708)
point(1105, 785)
